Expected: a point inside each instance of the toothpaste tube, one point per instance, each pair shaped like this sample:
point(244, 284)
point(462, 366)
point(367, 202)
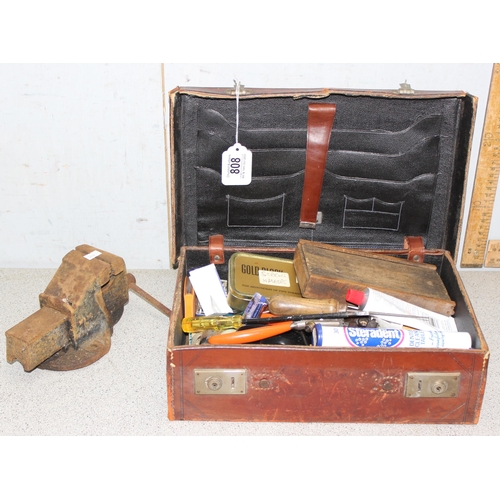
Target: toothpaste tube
point(333, 336)
point(373, 300)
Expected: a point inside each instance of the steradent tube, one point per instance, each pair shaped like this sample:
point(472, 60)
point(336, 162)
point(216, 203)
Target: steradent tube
point(373, 300)
point(338, 336)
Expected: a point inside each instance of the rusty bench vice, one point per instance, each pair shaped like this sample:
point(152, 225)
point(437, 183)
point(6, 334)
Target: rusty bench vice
point(78, 309)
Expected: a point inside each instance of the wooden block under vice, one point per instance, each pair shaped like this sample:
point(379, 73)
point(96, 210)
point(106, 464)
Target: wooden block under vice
point(327, 271)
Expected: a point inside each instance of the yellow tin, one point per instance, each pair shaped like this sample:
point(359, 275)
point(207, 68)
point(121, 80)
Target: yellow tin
point(252, 273)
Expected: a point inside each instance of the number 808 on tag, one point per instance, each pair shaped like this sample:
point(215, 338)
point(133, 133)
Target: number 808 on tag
point(236, 166)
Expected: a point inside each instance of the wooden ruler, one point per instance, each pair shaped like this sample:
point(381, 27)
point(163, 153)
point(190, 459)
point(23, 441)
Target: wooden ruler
point(486, 180)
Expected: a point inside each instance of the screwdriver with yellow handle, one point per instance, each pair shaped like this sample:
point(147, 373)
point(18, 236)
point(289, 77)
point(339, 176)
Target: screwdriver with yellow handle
point(215, 323)
point(222, 323)
point(236, 321)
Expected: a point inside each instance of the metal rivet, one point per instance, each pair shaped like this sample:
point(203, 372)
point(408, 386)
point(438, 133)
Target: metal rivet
point(264, 384)
point(387, 386)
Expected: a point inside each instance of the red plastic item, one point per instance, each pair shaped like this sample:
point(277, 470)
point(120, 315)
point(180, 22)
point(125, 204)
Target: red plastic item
point(355, 297)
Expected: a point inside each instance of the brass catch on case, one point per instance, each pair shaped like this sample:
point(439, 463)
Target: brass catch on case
point(220, 381)
point(432, 384)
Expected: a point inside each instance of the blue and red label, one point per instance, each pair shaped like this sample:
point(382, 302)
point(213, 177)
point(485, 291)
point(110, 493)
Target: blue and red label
point(373, 337)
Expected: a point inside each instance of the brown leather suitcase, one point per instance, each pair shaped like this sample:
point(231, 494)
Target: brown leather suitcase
point(396, 165)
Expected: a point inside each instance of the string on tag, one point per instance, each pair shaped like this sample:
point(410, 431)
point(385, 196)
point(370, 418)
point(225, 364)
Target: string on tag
point(237, 88)
point(236, 168)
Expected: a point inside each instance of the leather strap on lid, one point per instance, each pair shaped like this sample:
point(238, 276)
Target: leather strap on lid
point(415, 247)
point(319, 127)
point(216, 249)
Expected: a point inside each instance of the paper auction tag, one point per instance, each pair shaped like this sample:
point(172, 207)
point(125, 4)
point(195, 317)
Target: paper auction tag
point(236, 166)
point(92, 255)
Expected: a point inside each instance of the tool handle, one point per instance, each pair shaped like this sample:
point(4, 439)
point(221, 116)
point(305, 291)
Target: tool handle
point(217, 323)
point(283, 305)
point(250, 335)
point(145, 295)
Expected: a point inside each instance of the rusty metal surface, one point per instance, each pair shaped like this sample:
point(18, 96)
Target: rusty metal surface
point(37, 337)
point(78, 310)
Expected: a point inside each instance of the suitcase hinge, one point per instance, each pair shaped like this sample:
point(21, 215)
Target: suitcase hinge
point(238, 89)
point(405, 88)
point(216, 249)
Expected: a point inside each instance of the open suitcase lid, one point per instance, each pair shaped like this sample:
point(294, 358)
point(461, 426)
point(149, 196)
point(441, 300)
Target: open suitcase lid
point(396, 167)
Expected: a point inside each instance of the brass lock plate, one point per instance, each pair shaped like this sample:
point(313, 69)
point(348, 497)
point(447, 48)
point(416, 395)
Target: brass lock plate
point(432, 384)
point(220, 381)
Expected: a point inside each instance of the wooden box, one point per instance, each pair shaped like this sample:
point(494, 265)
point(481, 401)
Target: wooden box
point(395, 169)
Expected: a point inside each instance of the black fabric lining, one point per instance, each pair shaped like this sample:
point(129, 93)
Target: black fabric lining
point(213, 126)
point(267, 143)
point(264, 212)
point(389, 171)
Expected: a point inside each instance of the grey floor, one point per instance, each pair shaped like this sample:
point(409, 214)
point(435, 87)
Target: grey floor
point(124, 393)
